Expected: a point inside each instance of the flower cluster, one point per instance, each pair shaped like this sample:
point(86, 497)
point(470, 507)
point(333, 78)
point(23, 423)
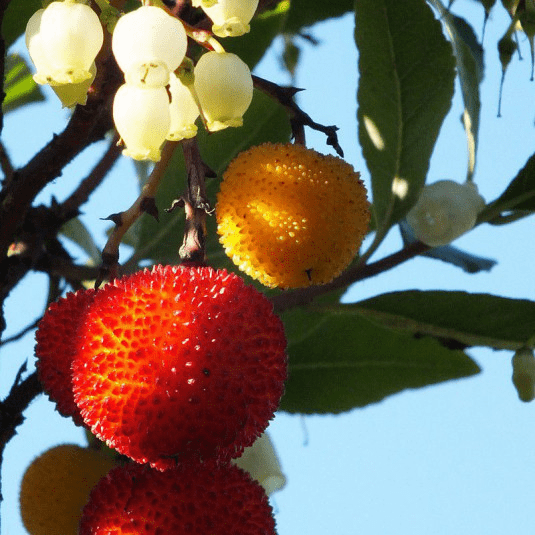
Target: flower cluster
point(163, 95)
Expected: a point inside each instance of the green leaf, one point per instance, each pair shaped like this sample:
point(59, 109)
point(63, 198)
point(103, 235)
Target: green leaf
point(405, 89)
point(469, 57)
point(468, 319)
point(19, 85)
point(16, 17)
point(305, 13)
point(76, 231)
point(252, 46)
point(519, 195)
point(343, 360)
point(265, 121)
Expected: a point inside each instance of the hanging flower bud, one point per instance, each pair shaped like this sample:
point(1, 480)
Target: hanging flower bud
point(444, 211)
point(142, 118)
point(63, 41)
point(72, 94)
point(524, 374)
point(224, 86)
point(148, 44)
point(230, 17)
point(261, 461)
point(183, 109)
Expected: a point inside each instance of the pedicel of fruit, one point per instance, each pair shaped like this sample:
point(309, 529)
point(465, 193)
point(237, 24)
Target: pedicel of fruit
point(178, 363)
point(289, 216)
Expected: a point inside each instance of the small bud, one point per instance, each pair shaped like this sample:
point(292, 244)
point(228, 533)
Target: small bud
point(142, 118)
point(261, 461)
point(183, 109)
point(63, 41)
point(524, 374)
point(230, 17)
point(224, 86)
point(148, 44)
point(444, 211)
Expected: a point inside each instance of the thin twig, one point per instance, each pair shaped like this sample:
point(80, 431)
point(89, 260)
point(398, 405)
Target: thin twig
point(80, 196)
point(303, 296)
point(298, 118)
point(124, 220)
point(6, 165)
point(20, 334)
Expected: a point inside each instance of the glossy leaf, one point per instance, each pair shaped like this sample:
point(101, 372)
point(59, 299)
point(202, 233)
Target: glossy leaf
point(304, 13)
point(19, 85)
point(519, 195)
point(459, 317)
point(16, 17)
point(406, 71)
point(470, 68)
point(343, 361)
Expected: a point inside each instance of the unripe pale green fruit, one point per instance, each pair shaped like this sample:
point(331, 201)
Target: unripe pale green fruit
point(183, 109)
point(230, 17)
point(142, 118)
point(224, 86)
point(63, 41)
point(444, 211)
point(148, 44)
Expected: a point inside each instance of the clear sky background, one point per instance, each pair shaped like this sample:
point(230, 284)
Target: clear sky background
point(457, 458)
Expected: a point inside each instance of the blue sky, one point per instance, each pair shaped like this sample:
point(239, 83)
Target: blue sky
point(450, 459)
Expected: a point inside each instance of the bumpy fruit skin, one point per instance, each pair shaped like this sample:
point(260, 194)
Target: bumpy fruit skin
point(55, 349)
point(289, 216)
point(179, 362)
point(195, 499)
point(56, 487)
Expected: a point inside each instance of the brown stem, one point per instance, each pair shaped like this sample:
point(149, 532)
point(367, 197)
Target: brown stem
point(298, 118)
point(124, 220)
point(91, 182)
point(196, 205)
point(304, 296)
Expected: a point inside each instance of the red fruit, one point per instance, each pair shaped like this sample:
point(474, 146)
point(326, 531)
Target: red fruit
point(56, 346)
point(196, 499)
point(179, 362)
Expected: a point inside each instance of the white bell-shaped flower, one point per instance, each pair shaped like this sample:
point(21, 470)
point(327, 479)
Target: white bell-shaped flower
point(142, 118)
point(444, 211)
point(230, 17)
point(148, 44)
point(261, 461)
point(184, 111)
point(73, 94)
point(63, 41)
point(224, 86)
